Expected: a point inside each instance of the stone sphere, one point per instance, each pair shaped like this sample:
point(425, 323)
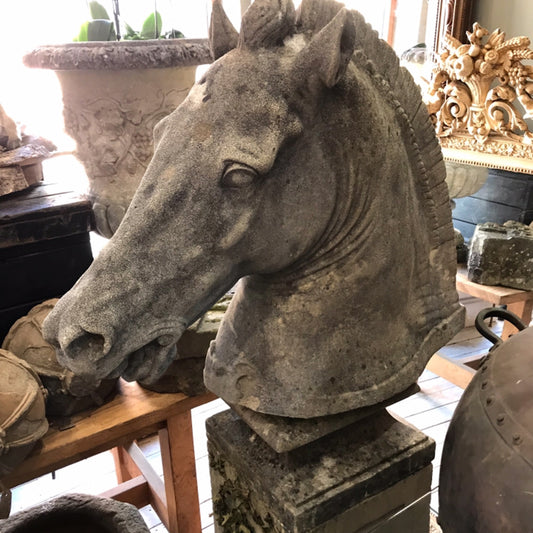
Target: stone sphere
point(25, 340)
point(67, 392)
point(22, 411)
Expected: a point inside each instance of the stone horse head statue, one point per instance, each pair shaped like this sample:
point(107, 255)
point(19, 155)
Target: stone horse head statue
point(303, 162)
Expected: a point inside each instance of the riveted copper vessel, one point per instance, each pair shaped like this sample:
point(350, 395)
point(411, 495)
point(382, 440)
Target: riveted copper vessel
point(486, 476)
point(67, 392)
point(22, 412)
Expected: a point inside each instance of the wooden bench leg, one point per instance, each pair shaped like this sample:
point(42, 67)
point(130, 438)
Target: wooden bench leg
point(125, 467)
point(521, 309)
point(179, 470)
point(453, 371)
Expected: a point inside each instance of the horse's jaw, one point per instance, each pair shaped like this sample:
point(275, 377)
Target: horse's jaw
point(147, 363)
point(96, 352)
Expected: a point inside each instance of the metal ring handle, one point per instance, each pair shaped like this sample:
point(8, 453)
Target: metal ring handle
point(497, 312)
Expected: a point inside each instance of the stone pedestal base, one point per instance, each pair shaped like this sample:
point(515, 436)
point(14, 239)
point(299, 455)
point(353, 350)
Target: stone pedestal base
point(374, 475)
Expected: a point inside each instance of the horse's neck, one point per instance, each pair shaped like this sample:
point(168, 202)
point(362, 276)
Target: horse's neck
point(357, 317)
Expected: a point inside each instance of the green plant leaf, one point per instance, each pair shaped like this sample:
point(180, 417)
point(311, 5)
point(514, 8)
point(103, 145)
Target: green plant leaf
point(130, 32)
point(98, 11)
point(152, 26)
point(100, 30)
point(82, 35)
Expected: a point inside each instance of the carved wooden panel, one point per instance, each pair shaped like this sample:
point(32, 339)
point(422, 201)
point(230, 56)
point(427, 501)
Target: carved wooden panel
point(479, 97)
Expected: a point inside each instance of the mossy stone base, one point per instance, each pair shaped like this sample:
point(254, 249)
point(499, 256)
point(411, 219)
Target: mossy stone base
point(351, 481)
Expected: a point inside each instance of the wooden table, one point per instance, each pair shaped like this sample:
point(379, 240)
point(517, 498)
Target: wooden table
point(517, 301)
point(135, 412)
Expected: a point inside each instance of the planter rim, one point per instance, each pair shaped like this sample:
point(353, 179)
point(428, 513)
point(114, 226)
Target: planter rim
point(120, 55)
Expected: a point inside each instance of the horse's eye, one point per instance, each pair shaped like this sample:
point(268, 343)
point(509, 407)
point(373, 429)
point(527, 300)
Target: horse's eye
point(237, 175)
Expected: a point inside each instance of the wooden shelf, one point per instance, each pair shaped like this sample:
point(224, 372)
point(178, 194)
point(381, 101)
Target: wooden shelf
point(134, 413)
point(517, 301)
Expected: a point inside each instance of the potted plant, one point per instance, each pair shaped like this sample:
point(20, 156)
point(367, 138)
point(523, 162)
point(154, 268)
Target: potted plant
point(114, 92)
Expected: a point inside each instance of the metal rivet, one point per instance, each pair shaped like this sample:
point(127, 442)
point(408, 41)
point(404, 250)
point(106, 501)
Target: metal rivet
point(484, 384)
point(500, 419)
point(517, 438)
point(484, 368)
point(489, 400)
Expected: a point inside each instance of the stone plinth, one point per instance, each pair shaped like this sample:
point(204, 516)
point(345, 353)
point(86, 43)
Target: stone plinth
point(502, 255)
point(359, 477)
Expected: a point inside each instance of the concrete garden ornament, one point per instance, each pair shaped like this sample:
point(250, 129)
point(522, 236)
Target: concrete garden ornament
point(305, 163)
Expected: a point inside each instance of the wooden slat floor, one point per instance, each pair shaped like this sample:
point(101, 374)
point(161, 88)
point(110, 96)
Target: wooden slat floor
point(430, 410)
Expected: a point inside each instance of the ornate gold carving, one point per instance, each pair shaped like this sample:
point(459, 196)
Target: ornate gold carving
point(473, 95)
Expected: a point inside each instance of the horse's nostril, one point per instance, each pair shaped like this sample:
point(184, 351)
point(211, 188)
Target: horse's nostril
point(91, 345)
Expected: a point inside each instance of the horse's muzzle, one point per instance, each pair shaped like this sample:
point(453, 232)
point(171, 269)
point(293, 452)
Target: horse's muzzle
point(96, 356)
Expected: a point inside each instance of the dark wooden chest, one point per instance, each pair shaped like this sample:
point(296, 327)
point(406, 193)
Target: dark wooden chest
point(44, 247)
point(504, 196)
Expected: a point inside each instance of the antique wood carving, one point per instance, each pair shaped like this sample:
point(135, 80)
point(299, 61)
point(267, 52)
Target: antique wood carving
point(479, 97)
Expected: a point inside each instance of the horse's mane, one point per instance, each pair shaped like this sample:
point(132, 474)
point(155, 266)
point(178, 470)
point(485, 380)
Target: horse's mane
point(267, 23)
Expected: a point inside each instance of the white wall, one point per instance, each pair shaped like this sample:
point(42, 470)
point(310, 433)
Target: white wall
point(514, 17)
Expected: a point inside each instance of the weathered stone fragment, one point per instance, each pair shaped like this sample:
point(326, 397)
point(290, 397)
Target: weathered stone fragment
point(22, 166)
point(9, 138)
point(11, 180)
point(460, 247)
point(502, 255)
point(77, 513)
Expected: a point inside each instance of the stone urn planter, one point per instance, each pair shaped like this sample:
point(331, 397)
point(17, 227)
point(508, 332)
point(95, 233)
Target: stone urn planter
point(113, 95)
point(463, 179)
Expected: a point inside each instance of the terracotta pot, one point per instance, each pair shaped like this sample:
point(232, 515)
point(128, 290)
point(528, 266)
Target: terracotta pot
point(113, 95)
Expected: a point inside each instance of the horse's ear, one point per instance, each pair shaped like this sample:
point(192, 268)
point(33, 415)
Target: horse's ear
point(223, 37)
point(330, 50)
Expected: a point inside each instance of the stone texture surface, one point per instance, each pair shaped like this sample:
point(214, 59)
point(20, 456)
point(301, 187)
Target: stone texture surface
point(284, 434)
point(312, 171)
point(502, 255)
point(461, 247)
point(186, 374)
point(111, 116)
point(158, 53)
point(77, 513)
point(323, 487)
